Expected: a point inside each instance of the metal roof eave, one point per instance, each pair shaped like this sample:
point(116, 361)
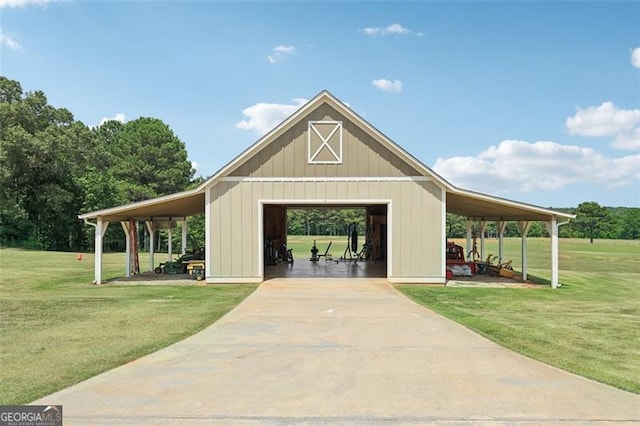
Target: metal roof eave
point(121, 211)
point(505, 209)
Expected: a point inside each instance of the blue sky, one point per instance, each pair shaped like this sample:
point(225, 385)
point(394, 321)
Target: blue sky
point(533, 101)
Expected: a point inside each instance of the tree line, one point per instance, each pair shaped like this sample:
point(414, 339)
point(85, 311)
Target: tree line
point(53, 168)
point(592, 221)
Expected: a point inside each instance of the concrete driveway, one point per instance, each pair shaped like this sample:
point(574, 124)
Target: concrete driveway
point(339, 351)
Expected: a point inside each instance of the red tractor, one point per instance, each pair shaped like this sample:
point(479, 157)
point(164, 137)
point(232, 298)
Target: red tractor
point(456, 264)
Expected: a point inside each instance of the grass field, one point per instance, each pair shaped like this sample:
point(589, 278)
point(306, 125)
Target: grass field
point(56, 329)
point(301, 245)
point(589, 326)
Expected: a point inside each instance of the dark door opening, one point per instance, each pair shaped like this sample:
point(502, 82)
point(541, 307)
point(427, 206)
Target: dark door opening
point(323, 241)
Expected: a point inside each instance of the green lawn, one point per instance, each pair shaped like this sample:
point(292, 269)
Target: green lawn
point(301, 245)
point(57, 329)
point(589, 326)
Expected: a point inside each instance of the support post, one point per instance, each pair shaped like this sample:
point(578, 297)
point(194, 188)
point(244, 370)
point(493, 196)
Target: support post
point(101, 228)
point(207, 233)
point(127, 237)
point(483, 228)
point(152, 246)
point(469, 246)
point(552, 228)
point(170, 243)
point(443, 249)
point(183, 248)
point(524, 229)
point(502, 226)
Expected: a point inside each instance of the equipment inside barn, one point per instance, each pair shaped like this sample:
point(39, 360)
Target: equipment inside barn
point(275, 234)
point(495, 266)
point(315, 256)
point(196, 269)
point(270, 251)
point(352, 243)
point(287, 254)
point(456, 264)
point(179, 266)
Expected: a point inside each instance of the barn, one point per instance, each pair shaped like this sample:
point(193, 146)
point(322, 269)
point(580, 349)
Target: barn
point(326, 155)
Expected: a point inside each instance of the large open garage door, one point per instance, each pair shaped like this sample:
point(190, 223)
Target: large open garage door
point(325, 241)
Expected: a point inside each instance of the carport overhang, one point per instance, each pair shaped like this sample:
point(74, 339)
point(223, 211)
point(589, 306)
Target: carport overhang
point(477, 206)
point(179, 205)
point(156, 213)
point(483, 208)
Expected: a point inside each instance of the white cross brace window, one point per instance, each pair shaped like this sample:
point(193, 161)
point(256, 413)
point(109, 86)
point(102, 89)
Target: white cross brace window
point(324, 142)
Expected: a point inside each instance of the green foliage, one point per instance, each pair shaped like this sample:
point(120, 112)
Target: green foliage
point(328, 221)
point(457, 228)
point(149, 160)
point(629, 220)
point(53, 168)
point(42, 153)
point(594, 221)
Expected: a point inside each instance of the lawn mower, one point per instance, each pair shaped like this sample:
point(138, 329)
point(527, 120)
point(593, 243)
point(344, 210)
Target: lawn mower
point(179, 266)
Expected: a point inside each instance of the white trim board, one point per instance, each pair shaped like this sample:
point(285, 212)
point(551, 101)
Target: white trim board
point(287, 202)
point(328, 179)
point(417, 280)
point(233, 280)
point(324, 142)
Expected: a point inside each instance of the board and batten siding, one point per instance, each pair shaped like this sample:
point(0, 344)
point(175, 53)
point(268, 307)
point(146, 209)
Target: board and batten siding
point(287, 155)
point(414, 223)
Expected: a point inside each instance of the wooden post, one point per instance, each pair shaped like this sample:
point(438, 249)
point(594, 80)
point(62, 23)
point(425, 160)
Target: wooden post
point(183, 249)
point(127, 238)
point(135, 262)
point(469, 244)
point(483, 228)
point(152, 236)
point(502, 226)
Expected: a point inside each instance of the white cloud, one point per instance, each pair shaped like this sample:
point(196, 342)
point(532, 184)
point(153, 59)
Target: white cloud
point(118, 117)
point(263, 117)
point(22, 3)
point(635, 57)
point(394, 28)
point(5, 40)
point(608, 120)
point(394, 86)
point(280, 52)
point(603, 120)
point(629, 140)
point(195, 166)
point(519, 166)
